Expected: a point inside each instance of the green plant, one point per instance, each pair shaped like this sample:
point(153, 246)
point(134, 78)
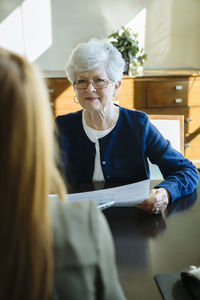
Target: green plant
point(128, 45)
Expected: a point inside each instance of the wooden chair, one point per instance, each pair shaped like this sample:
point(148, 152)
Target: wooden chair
point(172, 128)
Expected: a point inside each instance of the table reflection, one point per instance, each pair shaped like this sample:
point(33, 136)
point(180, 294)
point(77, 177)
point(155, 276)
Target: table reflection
point(182, 204)
point(133, 229)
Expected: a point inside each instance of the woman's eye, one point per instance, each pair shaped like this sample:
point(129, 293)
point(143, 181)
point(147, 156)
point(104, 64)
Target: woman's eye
point(81, 81)
point(98, 80)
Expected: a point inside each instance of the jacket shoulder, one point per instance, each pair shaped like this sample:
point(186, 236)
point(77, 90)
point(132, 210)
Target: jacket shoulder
point(135, 117)
point(74, 230)
point(133, 112)
point(70, 117)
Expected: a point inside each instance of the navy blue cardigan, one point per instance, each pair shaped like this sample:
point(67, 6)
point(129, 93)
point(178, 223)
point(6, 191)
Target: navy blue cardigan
point(124, 153)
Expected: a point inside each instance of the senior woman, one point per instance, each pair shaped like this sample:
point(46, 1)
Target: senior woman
point(106, 142)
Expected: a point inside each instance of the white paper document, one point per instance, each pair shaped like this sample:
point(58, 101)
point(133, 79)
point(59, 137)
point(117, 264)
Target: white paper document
point(125, 195)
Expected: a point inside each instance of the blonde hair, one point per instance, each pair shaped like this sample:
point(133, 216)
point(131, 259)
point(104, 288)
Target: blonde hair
point(27, 175)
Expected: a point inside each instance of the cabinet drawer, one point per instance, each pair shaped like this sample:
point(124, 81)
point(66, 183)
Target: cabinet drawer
point(192, 120)
point(191, 116)
point(126, 93)
point(62, 95)
point(140, 93)
point(194, 92)
point(57, 86)
point(192, 146)
point(167, 93)
point(132, 93)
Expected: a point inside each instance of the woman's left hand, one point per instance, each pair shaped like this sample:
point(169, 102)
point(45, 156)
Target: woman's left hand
point(157, 202)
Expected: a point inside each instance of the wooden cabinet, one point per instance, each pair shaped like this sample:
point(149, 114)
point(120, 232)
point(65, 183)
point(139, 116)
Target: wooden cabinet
point(163, 92)
point(61, 94)
point(169, 93)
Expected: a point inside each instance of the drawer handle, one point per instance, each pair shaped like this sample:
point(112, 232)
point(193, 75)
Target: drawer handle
point(178, 87)
point(178, 100)
point(187, 120)
point(51, 91)
point(186, 145)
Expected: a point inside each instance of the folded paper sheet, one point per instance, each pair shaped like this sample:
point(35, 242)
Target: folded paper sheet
point(125, 195)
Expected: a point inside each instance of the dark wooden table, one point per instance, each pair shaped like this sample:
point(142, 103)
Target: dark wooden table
point(148, 244)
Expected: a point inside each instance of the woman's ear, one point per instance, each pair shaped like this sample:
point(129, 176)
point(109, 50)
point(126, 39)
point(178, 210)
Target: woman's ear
point(117, 85)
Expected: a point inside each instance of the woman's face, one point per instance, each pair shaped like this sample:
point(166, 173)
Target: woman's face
point(92, 98)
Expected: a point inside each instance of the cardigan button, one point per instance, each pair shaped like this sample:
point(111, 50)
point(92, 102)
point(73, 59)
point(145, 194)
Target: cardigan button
point(103, 162)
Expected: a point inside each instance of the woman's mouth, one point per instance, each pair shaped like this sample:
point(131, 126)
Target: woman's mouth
point(91, 98)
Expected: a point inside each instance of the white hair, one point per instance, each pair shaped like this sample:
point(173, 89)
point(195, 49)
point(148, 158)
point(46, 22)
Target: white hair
point(91, 55)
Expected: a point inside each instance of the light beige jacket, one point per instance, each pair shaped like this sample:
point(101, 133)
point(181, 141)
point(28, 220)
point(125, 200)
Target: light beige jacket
point(84, 260)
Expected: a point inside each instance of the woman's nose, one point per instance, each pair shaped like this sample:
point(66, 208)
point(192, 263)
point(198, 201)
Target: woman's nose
point(90, 87)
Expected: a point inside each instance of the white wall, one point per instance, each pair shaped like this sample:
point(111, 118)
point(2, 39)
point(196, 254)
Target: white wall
point(47, 30)
point(173, 34)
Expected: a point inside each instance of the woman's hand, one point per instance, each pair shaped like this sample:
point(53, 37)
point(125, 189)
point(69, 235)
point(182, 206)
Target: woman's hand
point(157, 202)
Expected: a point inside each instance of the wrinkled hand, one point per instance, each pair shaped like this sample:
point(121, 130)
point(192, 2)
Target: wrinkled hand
point(157, 202)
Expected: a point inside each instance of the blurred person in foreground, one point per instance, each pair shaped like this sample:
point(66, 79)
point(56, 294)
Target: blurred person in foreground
point(50, 249)
point(104, 142)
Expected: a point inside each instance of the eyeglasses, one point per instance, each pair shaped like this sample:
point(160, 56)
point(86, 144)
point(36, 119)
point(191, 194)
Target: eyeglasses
point(98, 83)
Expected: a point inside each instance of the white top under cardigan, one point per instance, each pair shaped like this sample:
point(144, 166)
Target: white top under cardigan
point(94, 136)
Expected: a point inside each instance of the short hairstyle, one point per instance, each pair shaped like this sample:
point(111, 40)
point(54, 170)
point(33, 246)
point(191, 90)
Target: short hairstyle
point(91, 55)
